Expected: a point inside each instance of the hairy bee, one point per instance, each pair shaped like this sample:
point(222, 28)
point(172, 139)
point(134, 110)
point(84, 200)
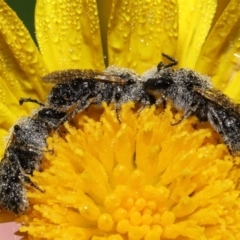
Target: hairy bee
point(195, 95)
point(23, 155)
point(74, 91)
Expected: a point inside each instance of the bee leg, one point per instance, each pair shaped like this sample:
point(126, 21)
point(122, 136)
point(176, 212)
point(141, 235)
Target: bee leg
point(117, 97)
point(157, 103)
point(141, 108)
point(189, 111)
point(164, 103)
point(81, 105)
point(51, 151)
point(179, 121)
point(185, 115)
point(23, 100)
point(161, 100)
point(146, 101)
point(117, 109)
point(28, 181)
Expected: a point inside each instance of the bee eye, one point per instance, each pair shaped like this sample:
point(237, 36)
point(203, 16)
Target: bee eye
point(16, 128)
point(130, 81)
point(189, 85)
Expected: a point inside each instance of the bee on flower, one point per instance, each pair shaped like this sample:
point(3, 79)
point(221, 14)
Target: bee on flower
point(120, 171)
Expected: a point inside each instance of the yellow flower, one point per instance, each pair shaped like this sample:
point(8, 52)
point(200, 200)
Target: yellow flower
point(143, 178)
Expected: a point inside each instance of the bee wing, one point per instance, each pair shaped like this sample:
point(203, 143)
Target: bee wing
point(64, 76)
point(227, 123)
point(218, 98)
point(224, 116)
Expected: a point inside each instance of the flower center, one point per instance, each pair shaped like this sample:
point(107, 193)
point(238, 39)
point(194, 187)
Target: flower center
point(136, 208)
point(138, 179)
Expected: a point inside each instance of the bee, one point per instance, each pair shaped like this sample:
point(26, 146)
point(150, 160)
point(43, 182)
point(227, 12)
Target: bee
point(73, 92)
point(195, 95)
point(22, 156)
point(76, 89)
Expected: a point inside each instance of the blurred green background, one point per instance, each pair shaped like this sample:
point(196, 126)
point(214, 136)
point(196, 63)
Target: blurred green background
point(25, 11)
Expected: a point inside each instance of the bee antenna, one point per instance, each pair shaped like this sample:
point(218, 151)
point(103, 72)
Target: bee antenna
point(162, 66)
point(23, 100)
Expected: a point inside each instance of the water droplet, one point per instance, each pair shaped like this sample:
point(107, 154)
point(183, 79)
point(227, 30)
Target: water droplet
point(54, 38)
point(117, 42)
point(64, 26)
point(74, 55)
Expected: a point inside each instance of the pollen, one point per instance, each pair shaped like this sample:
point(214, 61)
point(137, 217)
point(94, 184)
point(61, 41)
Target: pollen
point(141, 178)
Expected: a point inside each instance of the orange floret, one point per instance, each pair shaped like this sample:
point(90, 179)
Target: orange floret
point(139, 179)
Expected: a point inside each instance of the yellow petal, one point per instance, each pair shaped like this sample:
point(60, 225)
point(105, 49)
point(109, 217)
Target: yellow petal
point(220, 8)
point(21, 66)
point(219, 57)
point(195, 18)
point(233, 89)
point(140, 31)
point(68, 34)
